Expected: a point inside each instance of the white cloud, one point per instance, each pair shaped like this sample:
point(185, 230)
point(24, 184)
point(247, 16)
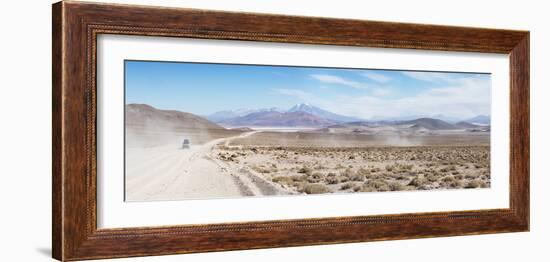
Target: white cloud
point(431, 76)
point(382, 91)
point(466, 98)
point(332, 79)
point(376, 77)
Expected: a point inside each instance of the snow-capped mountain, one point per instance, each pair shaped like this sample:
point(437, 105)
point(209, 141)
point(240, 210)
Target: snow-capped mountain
point(299, 115)
point(310, 109)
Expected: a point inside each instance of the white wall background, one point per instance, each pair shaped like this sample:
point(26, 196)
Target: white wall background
point(25, 147)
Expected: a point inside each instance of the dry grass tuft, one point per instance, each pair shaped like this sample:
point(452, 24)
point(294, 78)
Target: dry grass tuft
point(347, 186)
point(364, 169)
point(418, 181)
point(378, 184)
point(316, 189)
point(396, 186)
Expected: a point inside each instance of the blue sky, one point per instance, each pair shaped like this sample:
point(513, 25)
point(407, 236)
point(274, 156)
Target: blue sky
point(202, 89)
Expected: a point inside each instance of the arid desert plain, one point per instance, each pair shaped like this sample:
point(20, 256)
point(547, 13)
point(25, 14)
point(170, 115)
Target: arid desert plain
point(229, 160)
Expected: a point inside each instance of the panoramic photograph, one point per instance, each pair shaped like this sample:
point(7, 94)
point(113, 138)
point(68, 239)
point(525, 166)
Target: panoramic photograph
point(205, 130)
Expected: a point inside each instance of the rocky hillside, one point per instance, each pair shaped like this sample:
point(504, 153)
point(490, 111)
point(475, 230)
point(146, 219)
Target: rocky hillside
point(148, 117)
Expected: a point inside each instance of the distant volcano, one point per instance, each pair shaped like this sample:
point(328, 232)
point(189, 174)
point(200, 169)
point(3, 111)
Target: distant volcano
point(299, 115)
point(307, 108)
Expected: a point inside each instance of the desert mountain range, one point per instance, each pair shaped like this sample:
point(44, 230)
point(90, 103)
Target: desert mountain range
point(301, 115)
point(143, 115)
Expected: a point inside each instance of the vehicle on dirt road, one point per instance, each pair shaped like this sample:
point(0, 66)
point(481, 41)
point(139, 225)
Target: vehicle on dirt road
point(186, 144)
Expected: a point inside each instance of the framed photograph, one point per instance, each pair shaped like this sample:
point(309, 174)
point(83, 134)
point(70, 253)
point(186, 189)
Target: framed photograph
point(181, 130)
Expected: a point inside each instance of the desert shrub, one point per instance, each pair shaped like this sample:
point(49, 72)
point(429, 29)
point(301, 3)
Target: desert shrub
point(319, 167)
point(472, 175)
point(390, 168)
point(456, 184)
point(312, 179)
point(261, 169)
point(448, 179)
point(298, 178)
point(426, 187)
point(366, 188)
point(305, 170)
point(403, 176)
point(347, 173)
point(432, 177)
point(375, 169)
point(343, 179)
point(393, 175)
point(483, 184)
point(300, 186)
point(418, 181)
point(396, 186)
point(378, 184)
point(317, 175)
point(363, 171)
point(375, 176)
point(331, 180)
point(357, 177)
point(473, 184)
point(282, 180)
point(316, 189)
point(347, 186)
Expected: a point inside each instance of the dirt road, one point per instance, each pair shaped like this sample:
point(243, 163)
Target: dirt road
point(170, 173)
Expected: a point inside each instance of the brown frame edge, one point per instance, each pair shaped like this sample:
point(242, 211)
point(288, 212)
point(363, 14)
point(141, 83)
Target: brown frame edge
point(75, 27)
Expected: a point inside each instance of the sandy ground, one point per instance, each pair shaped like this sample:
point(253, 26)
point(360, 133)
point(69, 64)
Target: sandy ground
point(228, 164)
point(167, 172)
point(316, 170)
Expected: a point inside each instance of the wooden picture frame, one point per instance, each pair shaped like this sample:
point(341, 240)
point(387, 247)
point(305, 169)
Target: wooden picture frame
point(76, 26)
